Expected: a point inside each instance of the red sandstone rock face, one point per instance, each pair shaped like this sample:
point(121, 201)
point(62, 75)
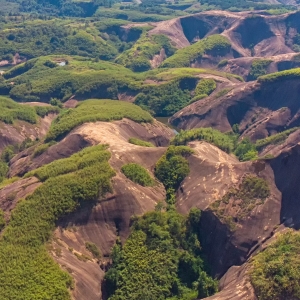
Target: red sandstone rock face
point(260, 109)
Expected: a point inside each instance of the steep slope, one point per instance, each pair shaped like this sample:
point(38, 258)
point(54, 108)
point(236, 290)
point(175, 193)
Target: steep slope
point(275, 35)
point(259, 108)
point(226, 222)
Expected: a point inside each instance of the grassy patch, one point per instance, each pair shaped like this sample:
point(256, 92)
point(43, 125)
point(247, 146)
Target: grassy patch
point(137, 174)
point(139, 142)
point(27, 269)
point(216, 45)
point(92, 111)
point(275, 271)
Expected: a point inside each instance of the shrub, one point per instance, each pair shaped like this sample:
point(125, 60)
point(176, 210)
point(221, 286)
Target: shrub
point(92, 111)
point(139, 142)
point(93, 249)
point(137, 174)
point(258, 68)
point(275, 271)
point(40, 150)
point(205, 87)
point(245, 150)
point(240, 200)
point(222, 63)
point(172, 168)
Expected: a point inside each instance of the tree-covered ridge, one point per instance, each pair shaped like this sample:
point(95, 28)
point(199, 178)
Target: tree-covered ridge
point(215, 45)
point(275, 271)
point(27, 270)
point(92, 111)
point(11, 111)
point(161, 259)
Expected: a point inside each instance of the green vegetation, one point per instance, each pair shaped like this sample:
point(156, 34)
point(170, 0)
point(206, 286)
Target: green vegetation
point(239, 201)
point(274, 139)
point(223, 141)
point(137, 174)
point(2, 219)
point(161, 259)
point(239, 5)
point(139, 142)
point(40, 149)
point(223, 92)
point(275, 271)
point(85, 158)
point(205, 87)
point(92, 111)
point(222, 63)
point(280, 76)
point(172, 168)
point(11, 111)
point(258, 68)
point(227, 142)
point(245, 150)
point(138, 57)
point(165, 99)
point(26, 266)
point(216, 45)
point(93, 249)
point(54, 37)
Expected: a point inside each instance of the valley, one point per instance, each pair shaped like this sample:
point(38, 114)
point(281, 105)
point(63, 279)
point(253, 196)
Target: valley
point(149, 150)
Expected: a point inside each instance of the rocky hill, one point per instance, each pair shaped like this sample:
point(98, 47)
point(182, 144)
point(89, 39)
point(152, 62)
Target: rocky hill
point(100, 200)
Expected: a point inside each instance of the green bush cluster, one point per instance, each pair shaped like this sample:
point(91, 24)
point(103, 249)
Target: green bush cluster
point(258, 68)
point(138, 57)
point(215, 45)
point(274, 139)
point(137, 174)
point(85, 158)
point(275, 271)
point(245, 150)
point(93, 249)
point(172, 168)
point(161, 259)
point(166, 99)
point(223, 141)
point(239, 201)
point(92, 111)
point(138, 142)
point(205, 87)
